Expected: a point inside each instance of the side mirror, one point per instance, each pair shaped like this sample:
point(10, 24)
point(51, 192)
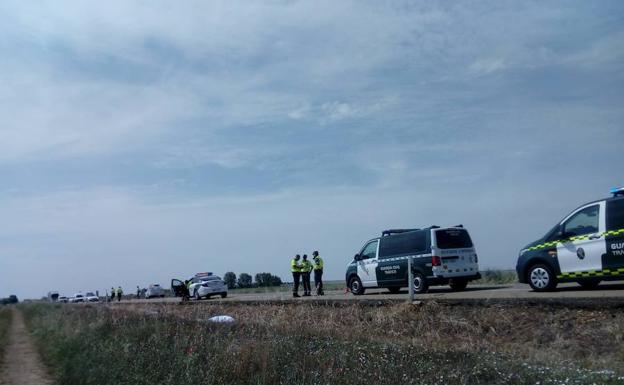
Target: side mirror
point(357, 257)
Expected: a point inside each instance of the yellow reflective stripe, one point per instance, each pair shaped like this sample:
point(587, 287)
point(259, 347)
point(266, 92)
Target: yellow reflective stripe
point(575, 238)
point(592, 273)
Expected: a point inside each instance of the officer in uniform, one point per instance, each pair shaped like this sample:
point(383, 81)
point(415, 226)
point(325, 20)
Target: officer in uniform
point(318, 273)
point(306, 269)
point(295, 268)
point(119, 293)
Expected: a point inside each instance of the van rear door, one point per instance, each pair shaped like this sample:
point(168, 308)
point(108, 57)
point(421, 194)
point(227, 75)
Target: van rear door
point(456, 252)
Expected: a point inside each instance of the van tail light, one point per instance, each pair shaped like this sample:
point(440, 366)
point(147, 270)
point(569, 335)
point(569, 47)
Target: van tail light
point(436, 261)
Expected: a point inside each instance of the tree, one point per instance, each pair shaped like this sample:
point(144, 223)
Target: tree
point(230, 280)
point(244, 280)
point(267, 279)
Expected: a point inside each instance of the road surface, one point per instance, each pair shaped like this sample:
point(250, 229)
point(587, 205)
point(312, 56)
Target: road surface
point(608, 290)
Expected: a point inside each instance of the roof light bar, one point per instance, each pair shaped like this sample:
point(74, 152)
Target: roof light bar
point(617, 191)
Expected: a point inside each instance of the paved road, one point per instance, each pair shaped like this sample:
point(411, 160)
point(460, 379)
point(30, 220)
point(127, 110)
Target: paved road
point(612, 290)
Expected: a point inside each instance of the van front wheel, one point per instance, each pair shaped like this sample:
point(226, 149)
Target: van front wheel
point(541, 278)
point(355, 286)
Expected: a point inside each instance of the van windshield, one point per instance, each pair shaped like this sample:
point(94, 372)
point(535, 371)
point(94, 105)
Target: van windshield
point(453, 239)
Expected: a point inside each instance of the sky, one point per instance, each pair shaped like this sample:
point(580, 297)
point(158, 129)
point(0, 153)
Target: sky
point(143, 140)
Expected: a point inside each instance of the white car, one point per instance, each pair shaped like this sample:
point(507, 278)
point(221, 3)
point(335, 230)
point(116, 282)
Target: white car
point(202, 285)
point(63, 299)
point(78, 297)
point(91, 297)
point(154, 291)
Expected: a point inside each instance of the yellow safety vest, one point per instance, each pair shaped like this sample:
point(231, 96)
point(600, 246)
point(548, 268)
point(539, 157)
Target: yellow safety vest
point(318, 263)
point(295, 266)
point(306, 266)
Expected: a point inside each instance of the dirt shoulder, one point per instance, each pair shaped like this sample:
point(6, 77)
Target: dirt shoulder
point(22, 364)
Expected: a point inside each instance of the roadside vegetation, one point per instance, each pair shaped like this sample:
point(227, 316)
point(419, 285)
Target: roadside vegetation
point(5, 324)
point(497, 277)
point(311, 344)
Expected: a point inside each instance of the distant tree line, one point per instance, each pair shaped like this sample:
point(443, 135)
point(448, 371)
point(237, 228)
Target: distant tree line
point(245, 280)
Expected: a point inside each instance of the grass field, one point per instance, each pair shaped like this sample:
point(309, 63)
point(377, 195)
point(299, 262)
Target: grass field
point(493, 277)
point(311, 344)
point(5, 323)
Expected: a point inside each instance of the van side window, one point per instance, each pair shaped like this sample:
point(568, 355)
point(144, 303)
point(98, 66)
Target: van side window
point(615, 214)
point(583, 222)
point(403, 244)
point(370, 250)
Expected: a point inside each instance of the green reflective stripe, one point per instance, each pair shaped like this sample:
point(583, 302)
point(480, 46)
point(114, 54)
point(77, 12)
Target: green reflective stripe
point(544, 245)
point(592, 273)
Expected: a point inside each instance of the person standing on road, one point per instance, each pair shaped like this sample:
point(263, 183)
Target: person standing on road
point(318, 273)
point(138, 292)
point(306, 269)
point(119, 293)
point(295, 268)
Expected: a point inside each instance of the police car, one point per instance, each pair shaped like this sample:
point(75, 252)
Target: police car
point(203, 285)
point(587, 247)
point(440, 256)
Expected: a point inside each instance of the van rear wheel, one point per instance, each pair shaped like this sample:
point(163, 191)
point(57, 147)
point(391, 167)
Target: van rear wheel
point(355, 286)
point(420, 283)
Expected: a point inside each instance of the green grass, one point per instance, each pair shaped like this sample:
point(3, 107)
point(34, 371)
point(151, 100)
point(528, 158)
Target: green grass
point(497, 277)
point(290, 345)
point(5, 323)
point(328, 285)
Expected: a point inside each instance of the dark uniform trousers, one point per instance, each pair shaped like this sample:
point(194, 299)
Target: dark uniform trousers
point(296, 279)
point(306, 282)
point(318, 280)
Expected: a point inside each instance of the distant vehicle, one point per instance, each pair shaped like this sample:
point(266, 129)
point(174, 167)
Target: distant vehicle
point(91, 297)
point(587, 246)
point(78, 297)
point(154, 291)
point(440, 256)
point(9, 300)
point(203, 285)
point(53, 296)
point(63, 299)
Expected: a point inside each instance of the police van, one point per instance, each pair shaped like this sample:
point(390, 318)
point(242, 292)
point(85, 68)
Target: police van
point(440, 256)
point(587, 247)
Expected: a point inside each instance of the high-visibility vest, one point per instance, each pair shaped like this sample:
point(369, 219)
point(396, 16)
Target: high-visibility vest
point(306, 266)
point(119, 291)
point(295, 266)
point(318, 263)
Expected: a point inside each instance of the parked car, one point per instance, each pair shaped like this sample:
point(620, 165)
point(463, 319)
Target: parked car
point(63, 299)
point(440, 256)
point(154, 290)
point(78, 297)
point(91, 297)
point(202, 285)
point(586, 246)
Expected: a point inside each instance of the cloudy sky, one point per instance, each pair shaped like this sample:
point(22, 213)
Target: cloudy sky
point(141, 141)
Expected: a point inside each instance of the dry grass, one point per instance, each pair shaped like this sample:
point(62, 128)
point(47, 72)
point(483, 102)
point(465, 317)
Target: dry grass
point(5, 323)
point(311, 344)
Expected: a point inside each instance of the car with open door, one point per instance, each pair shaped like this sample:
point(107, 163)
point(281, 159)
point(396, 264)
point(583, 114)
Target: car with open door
point(201, 285)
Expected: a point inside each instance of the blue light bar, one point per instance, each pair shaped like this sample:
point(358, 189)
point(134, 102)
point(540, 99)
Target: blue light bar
point(617, 191)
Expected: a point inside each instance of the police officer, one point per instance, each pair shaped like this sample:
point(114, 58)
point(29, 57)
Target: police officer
point(295, 268)
point(318, 273)
point(119, 293)
point(306, 269)
point(112, 298)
